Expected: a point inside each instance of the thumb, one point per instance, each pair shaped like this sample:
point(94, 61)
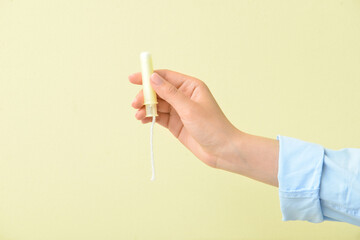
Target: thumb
point(170, 93)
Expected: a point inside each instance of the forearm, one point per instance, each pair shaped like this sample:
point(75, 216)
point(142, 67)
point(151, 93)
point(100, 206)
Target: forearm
point(252, 156)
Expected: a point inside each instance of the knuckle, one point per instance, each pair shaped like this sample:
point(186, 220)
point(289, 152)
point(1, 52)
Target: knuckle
point(172, 90)
point(201, 84)
point(163, 72)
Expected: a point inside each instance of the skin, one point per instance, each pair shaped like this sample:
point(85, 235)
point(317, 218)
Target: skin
point(188, 109)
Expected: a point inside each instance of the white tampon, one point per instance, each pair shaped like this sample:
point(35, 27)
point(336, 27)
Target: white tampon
point(150, 99)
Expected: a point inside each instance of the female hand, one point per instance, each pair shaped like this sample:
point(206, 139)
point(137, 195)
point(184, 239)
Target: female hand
point(187, 108)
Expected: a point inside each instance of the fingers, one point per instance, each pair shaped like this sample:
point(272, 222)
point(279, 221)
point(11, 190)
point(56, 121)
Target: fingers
point(135, 78)
point(162, 118)
point(175, 78)
point(138, 100)
point(140, 114)
point(162, 105)
point(171, 94)
point(166, 84)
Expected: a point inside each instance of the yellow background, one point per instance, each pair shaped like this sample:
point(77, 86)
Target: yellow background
point(74, 162)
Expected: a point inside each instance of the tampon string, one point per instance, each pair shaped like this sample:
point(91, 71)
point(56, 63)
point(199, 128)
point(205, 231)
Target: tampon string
point(151, 148)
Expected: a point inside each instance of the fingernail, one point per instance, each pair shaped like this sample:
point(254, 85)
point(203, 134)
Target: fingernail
point(156, 79)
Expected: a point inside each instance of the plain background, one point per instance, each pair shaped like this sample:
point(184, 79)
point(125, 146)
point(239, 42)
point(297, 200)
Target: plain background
point(74, 162)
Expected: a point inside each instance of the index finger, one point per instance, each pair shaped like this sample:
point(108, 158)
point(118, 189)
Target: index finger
point(175, 78)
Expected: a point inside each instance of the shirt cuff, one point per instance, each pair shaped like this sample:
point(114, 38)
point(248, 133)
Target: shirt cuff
point(299, 176)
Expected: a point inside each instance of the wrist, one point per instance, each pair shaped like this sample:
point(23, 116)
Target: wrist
point(231, 158)
point(252, 156)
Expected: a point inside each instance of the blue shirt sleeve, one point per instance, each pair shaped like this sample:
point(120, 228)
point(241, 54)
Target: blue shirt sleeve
point(317, 184)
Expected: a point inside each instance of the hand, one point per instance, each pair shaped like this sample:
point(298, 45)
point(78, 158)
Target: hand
point(187, 108)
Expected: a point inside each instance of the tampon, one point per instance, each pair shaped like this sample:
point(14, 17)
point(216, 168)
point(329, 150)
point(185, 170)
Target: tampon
point(150, 100)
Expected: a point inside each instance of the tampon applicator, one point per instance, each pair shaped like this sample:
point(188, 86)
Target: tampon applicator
point(150, 99)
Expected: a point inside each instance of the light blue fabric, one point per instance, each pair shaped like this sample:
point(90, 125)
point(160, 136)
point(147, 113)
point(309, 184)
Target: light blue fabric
point(317, 184)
